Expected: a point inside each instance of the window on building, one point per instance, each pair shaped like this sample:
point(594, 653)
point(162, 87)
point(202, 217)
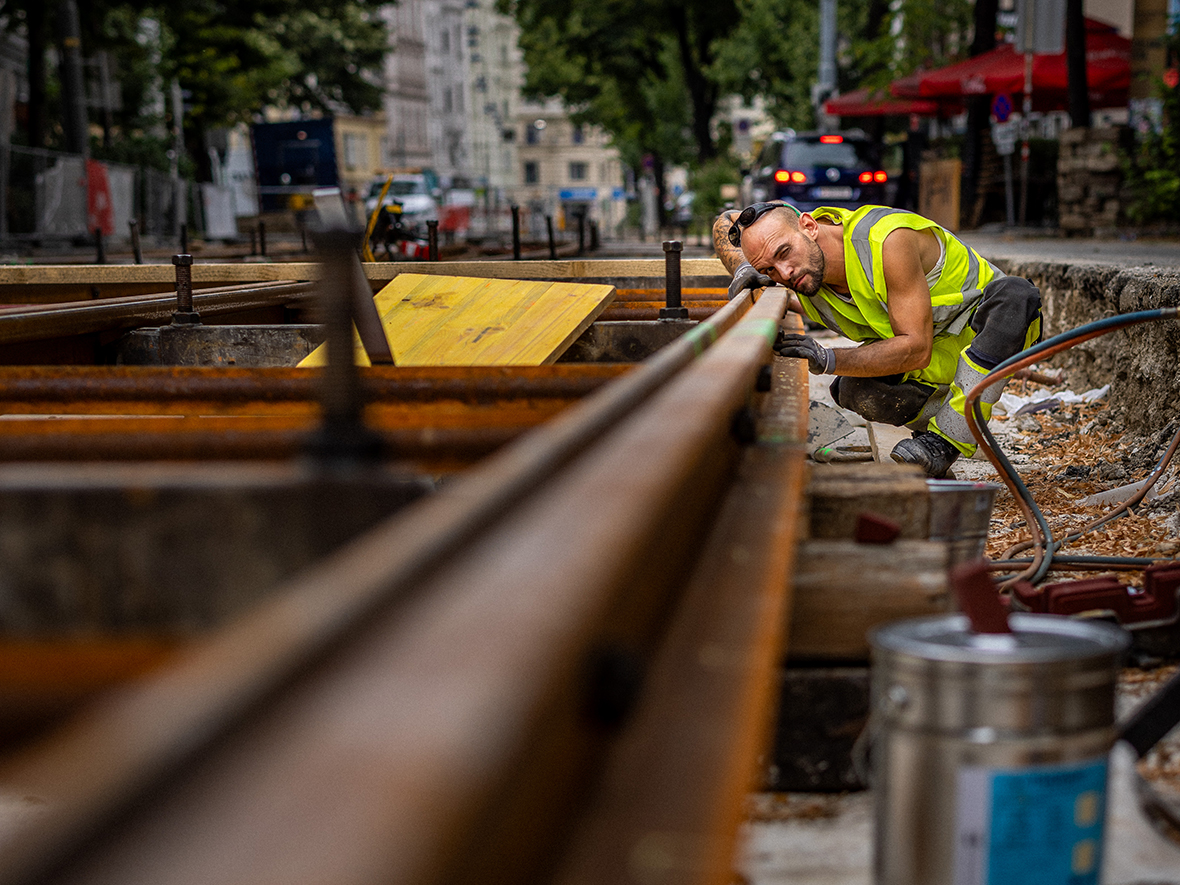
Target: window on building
point(579, 134)
point(445, 41)
point(531, 134)
point(578, 171)
point(532, 175)
point(447, 102)
point(354, 150)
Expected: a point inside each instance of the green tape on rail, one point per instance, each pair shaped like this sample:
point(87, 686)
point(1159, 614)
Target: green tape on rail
point(697, 336)
point(766, 328)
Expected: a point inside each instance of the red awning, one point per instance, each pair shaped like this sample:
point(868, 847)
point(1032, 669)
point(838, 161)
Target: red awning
point(878, 103)
point(1108, 69)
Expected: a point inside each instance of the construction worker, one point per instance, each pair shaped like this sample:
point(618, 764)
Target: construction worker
point(932, 316)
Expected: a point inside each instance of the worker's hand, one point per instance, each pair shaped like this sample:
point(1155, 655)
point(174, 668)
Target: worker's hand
point(820, 360)
point(745, 277)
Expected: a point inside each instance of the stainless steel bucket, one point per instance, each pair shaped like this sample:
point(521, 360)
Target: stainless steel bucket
point(961, 512)
point(989, 751)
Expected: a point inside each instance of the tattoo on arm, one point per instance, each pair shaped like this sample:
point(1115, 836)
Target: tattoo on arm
point(731, 256)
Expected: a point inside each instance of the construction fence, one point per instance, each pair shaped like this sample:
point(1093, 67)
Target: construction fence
point(50, 196)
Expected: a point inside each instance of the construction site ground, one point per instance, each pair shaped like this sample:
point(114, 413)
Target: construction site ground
point(1063, 454)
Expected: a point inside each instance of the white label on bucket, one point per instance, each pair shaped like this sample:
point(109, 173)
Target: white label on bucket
point(1040, 825)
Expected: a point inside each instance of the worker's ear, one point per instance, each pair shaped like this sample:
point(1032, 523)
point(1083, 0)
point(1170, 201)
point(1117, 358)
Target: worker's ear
point(808, 224)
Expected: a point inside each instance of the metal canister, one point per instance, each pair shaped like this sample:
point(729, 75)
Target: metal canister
point(961, 513)
point(989, 751)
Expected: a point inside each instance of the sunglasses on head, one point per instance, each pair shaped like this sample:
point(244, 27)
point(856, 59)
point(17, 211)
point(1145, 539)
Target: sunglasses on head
point(751, 214)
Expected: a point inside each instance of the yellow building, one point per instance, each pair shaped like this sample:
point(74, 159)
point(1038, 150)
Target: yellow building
point(360, 143)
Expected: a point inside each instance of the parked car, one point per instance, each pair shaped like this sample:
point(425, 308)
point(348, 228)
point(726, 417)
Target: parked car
point(412, 191)
point(810, 169)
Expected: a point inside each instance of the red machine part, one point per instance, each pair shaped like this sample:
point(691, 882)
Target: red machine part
point(1155, 603)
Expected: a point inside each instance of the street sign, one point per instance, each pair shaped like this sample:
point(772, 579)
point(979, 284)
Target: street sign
point(579, 194)
point(1004, 137)
point(1002, 107)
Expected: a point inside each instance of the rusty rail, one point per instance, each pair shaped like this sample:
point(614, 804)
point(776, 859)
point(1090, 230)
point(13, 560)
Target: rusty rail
point(42, 321)
point(423, 706)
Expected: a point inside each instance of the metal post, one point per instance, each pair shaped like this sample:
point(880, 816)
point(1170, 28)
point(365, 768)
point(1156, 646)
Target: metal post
point(432, 240)
point(136, 248)
point(184, 237)
point(826, 80)
point(342, 438)
point(253, 242)
point(99, 247)
point(262, 238)
point(184, 313)
point(1024, 130)
point(673, 309)
point(5, 161)
point(581, 234)
point(516, 233)
point(552, 242)
point(593, 236)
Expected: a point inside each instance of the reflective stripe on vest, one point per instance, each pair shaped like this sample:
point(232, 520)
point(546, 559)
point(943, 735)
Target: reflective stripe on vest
point(866, 316)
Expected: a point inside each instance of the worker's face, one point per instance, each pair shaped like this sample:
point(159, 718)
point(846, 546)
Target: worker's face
point(787, 254)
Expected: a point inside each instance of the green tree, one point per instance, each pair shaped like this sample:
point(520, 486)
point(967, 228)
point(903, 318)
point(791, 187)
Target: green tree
point(230, 59)
point(641, 69)
point(1153, 170)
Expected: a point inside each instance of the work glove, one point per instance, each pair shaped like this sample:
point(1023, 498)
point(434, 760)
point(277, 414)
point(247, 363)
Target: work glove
point(745, 277)
point(820, 360)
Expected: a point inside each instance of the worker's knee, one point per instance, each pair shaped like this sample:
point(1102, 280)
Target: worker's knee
point(884, 400)
point(1001, 322)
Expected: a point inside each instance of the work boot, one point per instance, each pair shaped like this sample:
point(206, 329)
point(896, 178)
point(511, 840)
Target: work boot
point(928, 450)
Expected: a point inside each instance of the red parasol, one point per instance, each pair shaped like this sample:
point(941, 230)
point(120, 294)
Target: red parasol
point(1108, 69)
point(878, 103)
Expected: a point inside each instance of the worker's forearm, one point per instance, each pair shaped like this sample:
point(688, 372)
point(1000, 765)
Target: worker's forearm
point(889, 356)
point(731, 256)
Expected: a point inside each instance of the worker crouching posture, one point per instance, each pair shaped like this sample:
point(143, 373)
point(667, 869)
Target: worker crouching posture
point(932, 316)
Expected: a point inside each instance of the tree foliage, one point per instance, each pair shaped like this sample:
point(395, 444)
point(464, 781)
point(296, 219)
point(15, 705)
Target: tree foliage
point(1153, 173)
point(230, 58)
point(639, 68)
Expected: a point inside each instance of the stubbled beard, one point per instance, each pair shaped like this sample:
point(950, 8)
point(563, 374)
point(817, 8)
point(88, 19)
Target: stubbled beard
point(815, 273)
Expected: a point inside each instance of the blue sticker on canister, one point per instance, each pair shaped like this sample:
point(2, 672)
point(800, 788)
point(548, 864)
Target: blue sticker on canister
point(1040, 825)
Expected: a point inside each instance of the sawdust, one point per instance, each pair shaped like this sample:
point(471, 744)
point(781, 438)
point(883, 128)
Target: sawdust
point(1079, 451)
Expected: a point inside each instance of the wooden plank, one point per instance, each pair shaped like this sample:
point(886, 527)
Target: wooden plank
point(465, 321)
point(843, 589)
point(213, 272)
point(839, 493)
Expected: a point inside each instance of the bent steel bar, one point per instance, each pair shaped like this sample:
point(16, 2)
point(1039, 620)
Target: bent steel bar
point(42, 321)
point(104, 764)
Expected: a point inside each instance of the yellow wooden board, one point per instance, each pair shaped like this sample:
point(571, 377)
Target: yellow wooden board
point(471, 321)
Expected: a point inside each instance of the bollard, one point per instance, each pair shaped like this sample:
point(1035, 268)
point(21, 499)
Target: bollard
point(673, 309)
point(516, 233)
point(100, 247)
point(303, 238)
point(136, 249)
point(262, 238)
point(432, 240)
point(593, 236)
point(184, 313)
point(552, 242)
point(253, 242)
point(184, 238)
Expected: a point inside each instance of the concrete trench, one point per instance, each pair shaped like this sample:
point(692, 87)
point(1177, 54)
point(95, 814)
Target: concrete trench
point(1140, 363)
